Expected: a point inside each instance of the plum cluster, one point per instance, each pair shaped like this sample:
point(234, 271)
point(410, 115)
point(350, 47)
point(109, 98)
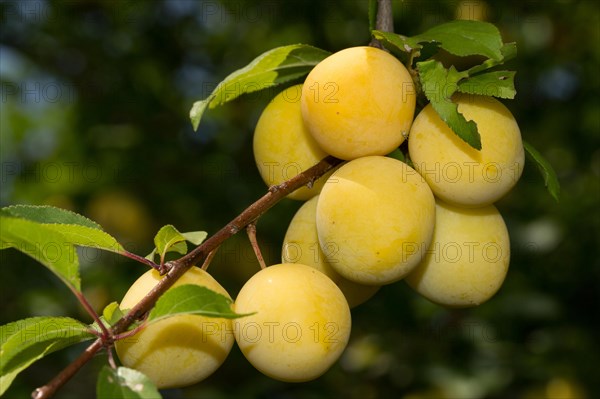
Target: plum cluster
point(375, 220)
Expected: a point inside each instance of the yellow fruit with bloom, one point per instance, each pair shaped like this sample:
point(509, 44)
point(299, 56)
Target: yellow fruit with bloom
point(468, 258)
point(376, 214)
point(359, 101)
point(458, 173)
point(301, 325)
point(180, 350)
point(282, 145)
point(301, 245)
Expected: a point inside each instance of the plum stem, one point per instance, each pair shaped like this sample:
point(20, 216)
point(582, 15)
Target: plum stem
point(251, 230)
point(209, 259)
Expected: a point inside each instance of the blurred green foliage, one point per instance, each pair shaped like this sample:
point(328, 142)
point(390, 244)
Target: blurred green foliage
point(95, 98)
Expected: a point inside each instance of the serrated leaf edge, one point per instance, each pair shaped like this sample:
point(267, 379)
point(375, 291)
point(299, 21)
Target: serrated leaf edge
point(97, 226)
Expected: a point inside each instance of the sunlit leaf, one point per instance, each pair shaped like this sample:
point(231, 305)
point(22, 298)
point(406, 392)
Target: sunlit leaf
point(439, 84)
point(395, 42)
point(192, 299)
point(112, 313)
point(125, 383)
point(23, 342)
point(169, 239)
point(48, 214)
point(272, 68)
point(195, 237)
point(49, 235)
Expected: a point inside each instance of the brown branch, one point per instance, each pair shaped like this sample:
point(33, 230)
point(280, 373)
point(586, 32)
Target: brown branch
point(50, 389)
point(385, 16)
point(178, 267)
point(384, 21)
point(140, 259)
point(88, 307)
point(256, 210)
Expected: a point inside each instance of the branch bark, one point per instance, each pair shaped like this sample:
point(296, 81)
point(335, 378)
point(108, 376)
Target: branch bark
point(385, 16)
point(384, 20)
point(178, 267)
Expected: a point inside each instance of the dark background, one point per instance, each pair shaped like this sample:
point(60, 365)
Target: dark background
point(94, 118)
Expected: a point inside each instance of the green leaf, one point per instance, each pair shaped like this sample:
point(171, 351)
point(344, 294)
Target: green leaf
point(125, 383)
point(272, 68)
point(86, 237)
point(112, 313)
point(372, 14)
point(546, 169)
point(509, 51)
point(49, 235)
point(195, 237)
point(43, 244)
point(23, 342)
point(49, 214)
point(192, 299)
point(397, 154)
point(439, 84)
point(465, 38)
point(169, 239)
point(462, 38)
point(395, 42)
point(497, 84)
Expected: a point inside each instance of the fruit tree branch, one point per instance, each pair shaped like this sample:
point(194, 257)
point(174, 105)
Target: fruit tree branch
point(50, 389)
point(178, 267)
point(385, 17)
point(175, 269)
point(384, 20)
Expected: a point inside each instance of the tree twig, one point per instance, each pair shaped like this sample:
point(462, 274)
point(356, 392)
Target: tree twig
point(178, 267)
point(384, 21)
point(50, 389)
point(209, 259)
point(88, 307)
point(251, 230)
point(385, 16)
point(141, 259)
